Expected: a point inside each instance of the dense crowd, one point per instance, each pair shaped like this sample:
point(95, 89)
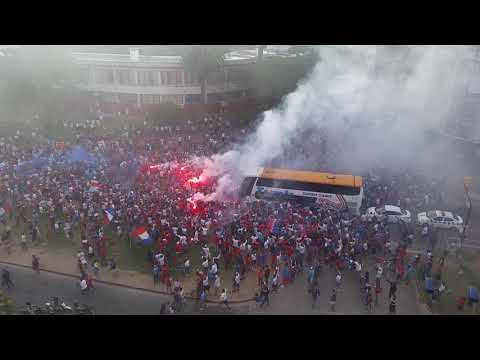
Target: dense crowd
point(140, 176)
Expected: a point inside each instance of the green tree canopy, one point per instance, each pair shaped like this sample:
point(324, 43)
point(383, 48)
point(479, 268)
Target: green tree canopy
point(34, 78)
point(167, 113)
point(6, 305)
point(204, 61)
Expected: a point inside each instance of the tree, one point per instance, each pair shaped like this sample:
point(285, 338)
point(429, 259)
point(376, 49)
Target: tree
point(34, 77)
point(277, 76)
point(6, 305)
point(261, 48)
point(204, 61)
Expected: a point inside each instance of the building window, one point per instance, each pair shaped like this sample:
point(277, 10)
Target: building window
point(163, 77)
point(104, 76)
point(191, 78)
point(151, 99)
point(176, 99)
point(179, 77)
point(171, 78)
point(188, 78)
point(146, 78)
point(109, 97)
point(147, 99)
point(126, 77)
point(128, 98)
point(193, 99)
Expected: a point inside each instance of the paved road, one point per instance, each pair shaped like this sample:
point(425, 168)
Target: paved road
point(107, 299)
point(115, 300)
point(295, 300)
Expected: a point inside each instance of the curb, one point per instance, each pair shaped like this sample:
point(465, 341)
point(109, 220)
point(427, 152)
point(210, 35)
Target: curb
point(124, 285)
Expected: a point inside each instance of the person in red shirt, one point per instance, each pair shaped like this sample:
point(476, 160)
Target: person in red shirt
point(168, 284)
point(260, 276)
point(178, 248)
point(89, 282)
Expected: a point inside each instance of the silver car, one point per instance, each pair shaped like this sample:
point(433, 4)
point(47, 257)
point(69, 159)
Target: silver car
point(392, 213)
point(440, 219)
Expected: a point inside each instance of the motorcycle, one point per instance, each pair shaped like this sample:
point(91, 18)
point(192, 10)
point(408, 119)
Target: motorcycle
point(57, 307)
point(82, 309)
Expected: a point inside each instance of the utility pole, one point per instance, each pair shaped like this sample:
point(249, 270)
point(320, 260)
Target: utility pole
point(466, 183)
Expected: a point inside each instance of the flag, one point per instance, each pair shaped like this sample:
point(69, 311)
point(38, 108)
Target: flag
point(142, 233)
point(107, 216)
point(94, 186)
point(274, 226)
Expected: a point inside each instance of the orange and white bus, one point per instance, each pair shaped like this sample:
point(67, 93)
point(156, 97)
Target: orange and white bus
point(329, 190)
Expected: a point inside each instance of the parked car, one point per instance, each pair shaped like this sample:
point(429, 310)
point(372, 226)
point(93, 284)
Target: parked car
point(392, 213)
point(441, 219)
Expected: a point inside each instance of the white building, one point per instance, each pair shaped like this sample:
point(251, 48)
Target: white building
point(142, 81)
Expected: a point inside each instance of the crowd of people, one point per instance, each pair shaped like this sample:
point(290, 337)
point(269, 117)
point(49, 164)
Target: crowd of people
point(139, 178)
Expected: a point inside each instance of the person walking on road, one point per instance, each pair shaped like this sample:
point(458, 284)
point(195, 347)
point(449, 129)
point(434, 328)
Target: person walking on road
point(338, 280)
point(36, 264)
point(224, 299)
point(392, 308)
point(236, 282)
point(315, 296)
point(265, 293)
point(333, 300)
point(23, 242)
point(393, 288)
point(6, 280)
point(83, 286)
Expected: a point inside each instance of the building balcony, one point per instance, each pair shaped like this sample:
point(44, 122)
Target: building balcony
point(159, 90)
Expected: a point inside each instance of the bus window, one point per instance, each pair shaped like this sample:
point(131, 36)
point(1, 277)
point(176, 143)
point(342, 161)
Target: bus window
point(312, 187)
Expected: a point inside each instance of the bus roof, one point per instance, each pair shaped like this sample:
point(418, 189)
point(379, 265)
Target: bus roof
point(312, 177)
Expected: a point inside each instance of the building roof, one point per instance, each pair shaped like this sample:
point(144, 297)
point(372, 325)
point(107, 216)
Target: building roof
point(125, 58)
point(312, 177)
point(231, 58)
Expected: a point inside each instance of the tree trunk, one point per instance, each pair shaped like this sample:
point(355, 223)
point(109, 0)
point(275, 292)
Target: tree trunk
point(260, 53)
point(203, 89)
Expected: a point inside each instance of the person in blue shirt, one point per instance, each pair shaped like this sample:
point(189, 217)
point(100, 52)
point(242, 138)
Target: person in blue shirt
point(310, 278)
point(156, 273)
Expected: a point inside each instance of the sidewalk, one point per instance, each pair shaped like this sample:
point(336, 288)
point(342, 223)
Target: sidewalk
point(61, 263)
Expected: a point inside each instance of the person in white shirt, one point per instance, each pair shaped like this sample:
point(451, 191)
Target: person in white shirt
point(206, 251)
point(83, 286)
point(183, 240)
point(217, 284)
point(161, 259)
point(206, 284)
point(214, 269)
point(224, 299)
point(236, 282)
point(205, 264)
point(379, 272)
point(186, 266)
point(338, 280)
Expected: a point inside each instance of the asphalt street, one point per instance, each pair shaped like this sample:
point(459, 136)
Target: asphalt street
point(106, 300)
point(118, 300)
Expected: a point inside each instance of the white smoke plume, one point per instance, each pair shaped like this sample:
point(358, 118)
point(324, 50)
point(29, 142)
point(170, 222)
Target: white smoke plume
point(365, 106)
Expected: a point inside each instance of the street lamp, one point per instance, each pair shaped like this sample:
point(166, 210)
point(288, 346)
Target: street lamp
point(466, 183)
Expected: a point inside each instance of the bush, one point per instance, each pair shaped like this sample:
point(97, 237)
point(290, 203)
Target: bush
point(167, 114)
point(6, 305)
